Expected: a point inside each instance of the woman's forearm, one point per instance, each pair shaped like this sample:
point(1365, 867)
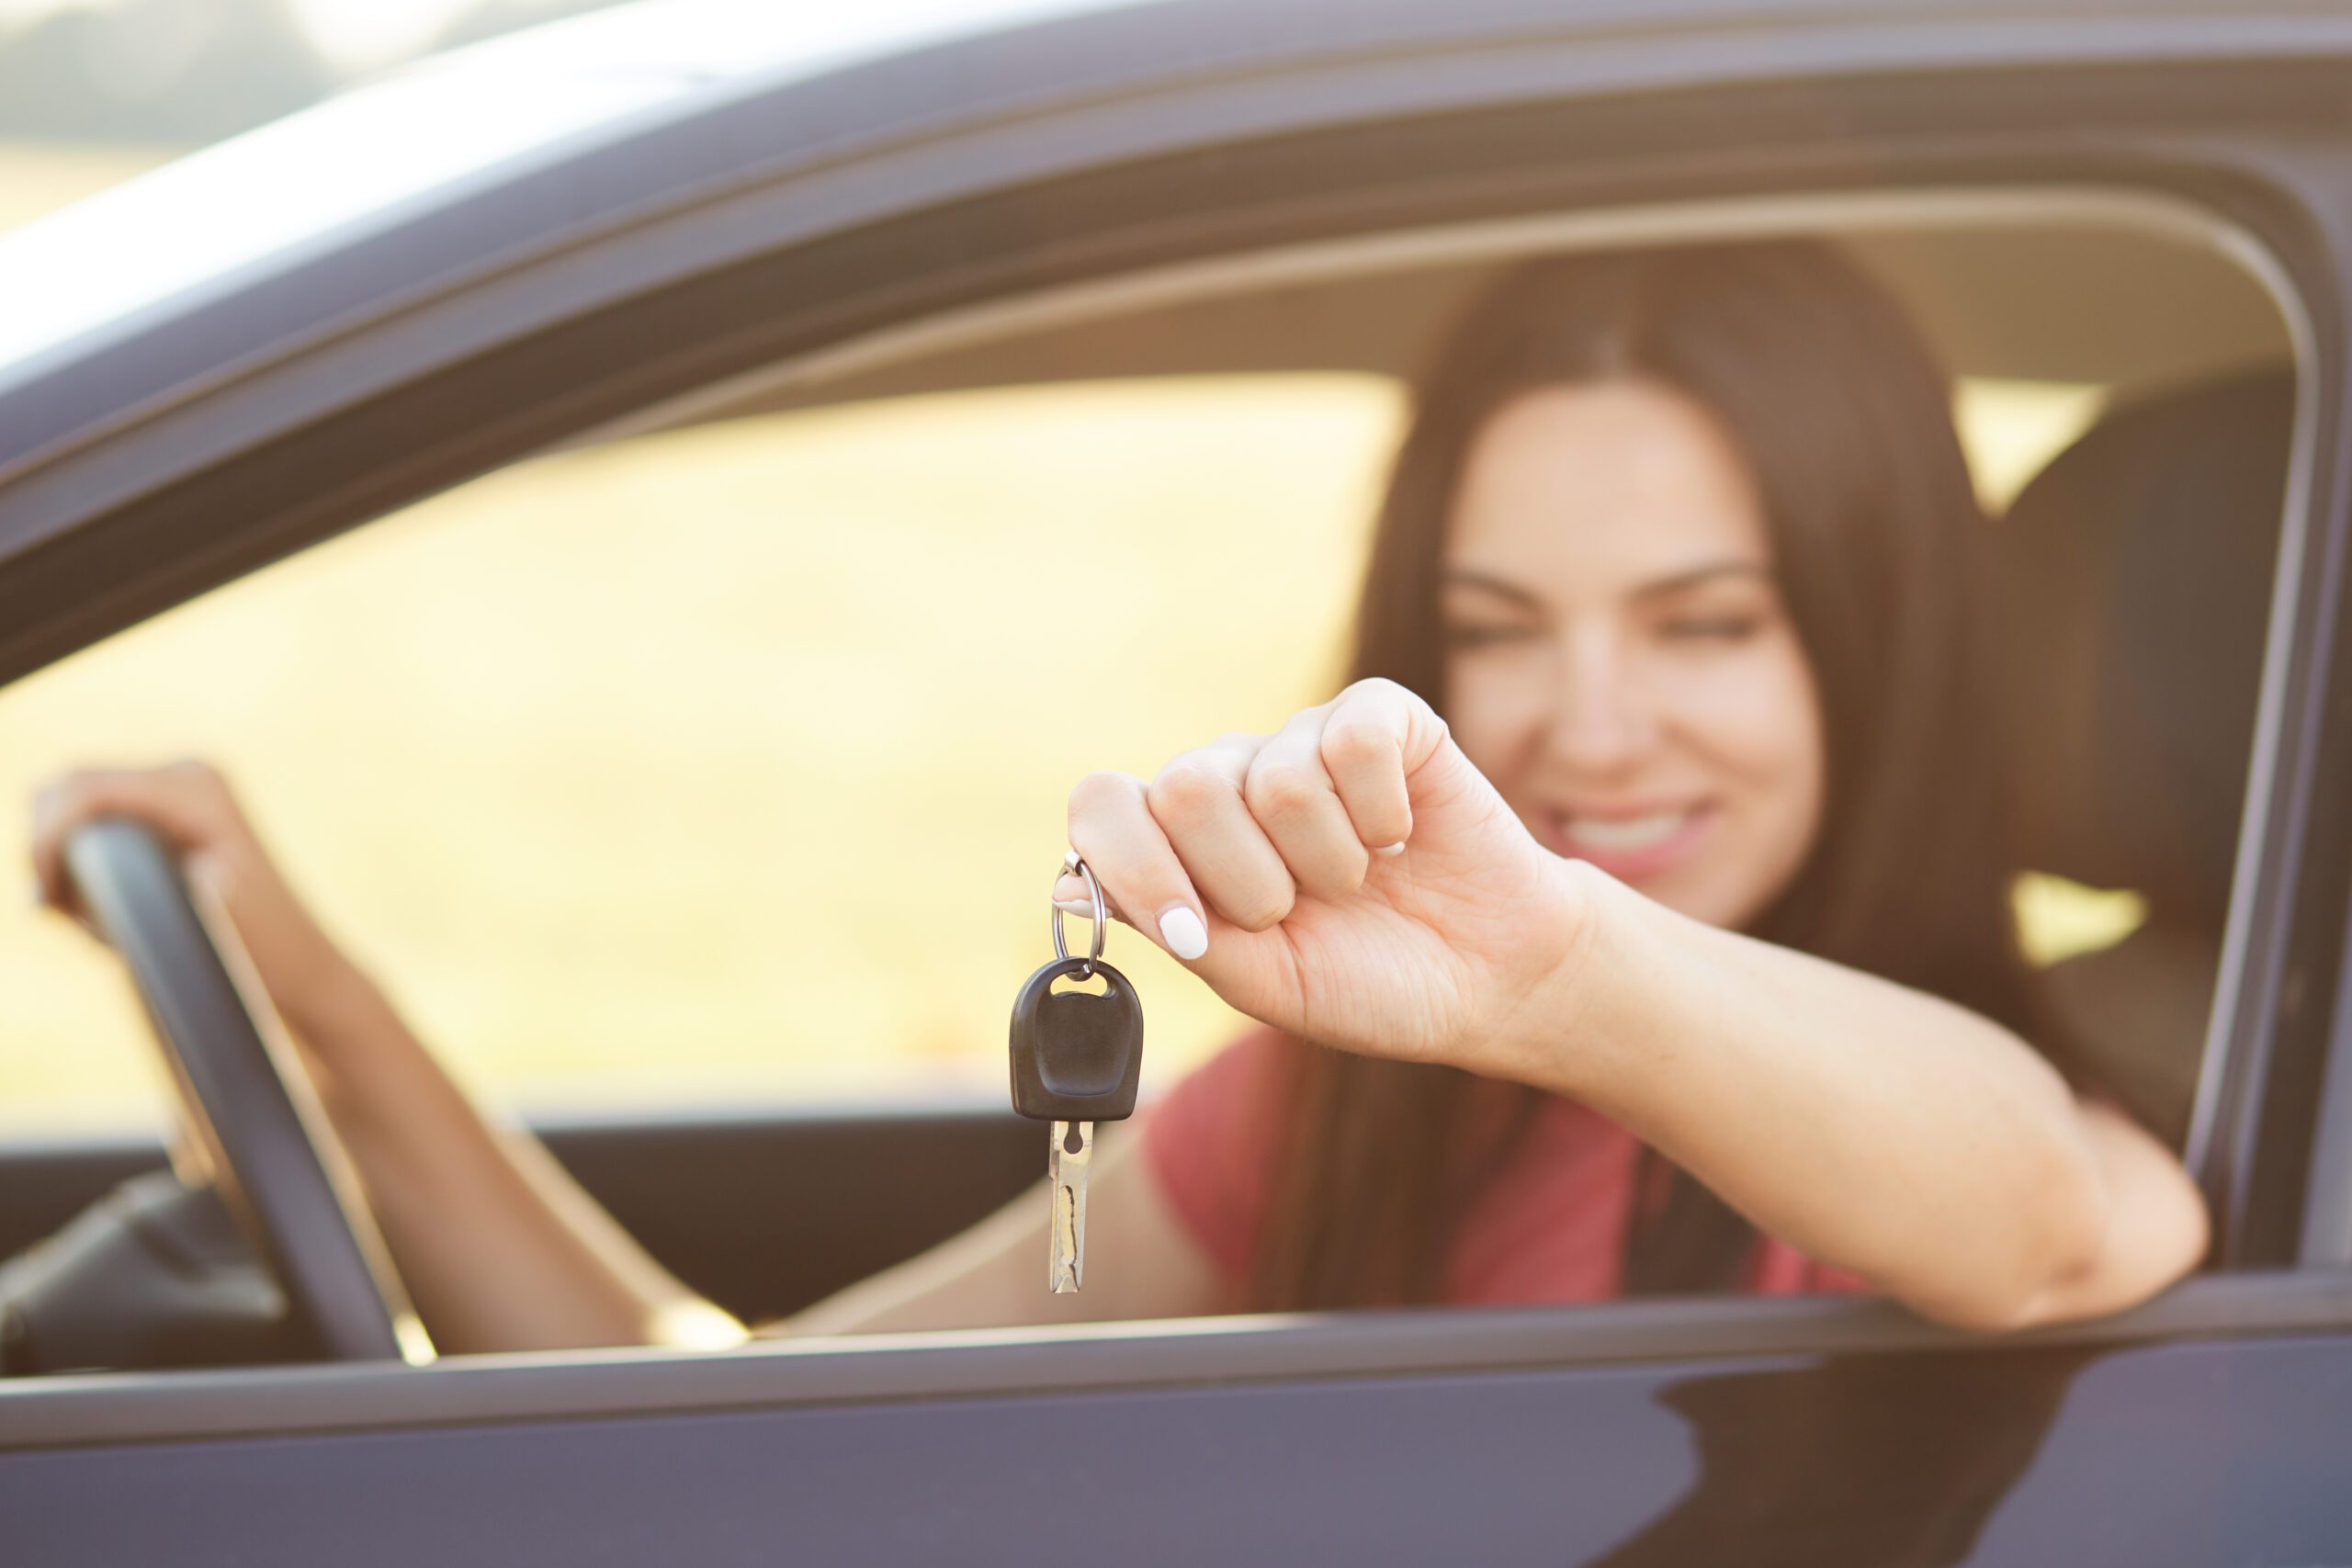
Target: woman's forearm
point(1869, 1125)
point(498, 1245)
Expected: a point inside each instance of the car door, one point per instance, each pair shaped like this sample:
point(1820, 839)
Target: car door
point(2204, 1427)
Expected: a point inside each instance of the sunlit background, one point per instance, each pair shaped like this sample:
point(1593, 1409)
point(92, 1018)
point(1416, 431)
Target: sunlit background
point(721, 764)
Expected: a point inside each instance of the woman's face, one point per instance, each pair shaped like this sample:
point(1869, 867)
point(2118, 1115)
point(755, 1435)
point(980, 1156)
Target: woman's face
point(1618, 658)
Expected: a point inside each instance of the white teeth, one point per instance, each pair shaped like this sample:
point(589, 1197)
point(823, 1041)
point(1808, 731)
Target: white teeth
point(1626, 833)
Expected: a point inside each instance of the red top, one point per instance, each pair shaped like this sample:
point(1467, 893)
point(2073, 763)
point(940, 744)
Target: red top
point(1550, 1227)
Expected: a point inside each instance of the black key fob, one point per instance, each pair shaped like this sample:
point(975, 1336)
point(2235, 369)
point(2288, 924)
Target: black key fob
point(1075, 1056)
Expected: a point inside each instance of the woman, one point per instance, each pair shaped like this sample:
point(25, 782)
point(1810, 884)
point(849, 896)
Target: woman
point(1683, 927)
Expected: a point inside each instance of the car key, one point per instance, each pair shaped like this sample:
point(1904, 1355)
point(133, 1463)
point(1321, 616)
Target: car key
point(1076, 1060)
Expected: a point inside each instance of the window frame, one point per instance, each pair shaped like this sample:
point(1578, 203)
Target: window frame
point(1095, 1359)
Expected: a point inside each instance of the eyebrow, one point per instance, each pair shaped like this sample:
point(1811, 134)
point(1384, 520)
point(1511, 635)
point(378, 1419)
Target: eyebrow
point(1503, 588)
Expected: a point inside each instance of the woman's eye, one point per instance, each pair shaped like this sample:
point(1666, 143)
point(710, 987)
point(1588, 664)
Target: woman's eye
point(1481, 637)
point(1714, 628)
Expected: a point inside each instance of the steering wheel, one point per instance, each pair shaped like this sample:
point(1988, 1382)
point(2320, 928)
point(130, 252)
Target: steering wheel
point(285, 1178)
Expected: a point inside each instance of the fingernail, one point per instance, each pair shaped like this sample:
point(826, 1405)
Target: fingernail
point(1075, 906)
point(1187, 938)
point(1391, 850)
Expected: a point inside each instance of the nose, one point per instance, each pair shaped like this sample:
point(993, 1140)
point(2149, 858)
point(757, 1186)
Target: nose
point(1602, 721)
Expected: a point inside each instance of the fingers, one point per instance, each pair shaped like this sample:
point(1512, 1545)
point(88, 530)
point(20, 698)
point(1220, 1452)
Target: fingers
point(187, 804)
point(1293, 795)
point(1200, 801)
point(1111, 825)
point(1333, 788)
point(1197, 801)
point(1240, 829)
point(1376, 734)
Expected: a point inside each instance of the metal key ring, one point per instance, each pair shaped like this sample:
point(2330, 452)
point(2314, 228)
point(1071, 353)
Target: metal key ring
point(1101, 916)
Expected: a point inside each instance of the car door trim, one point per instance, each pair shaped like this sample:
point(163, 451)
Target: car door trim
point(70, 1412)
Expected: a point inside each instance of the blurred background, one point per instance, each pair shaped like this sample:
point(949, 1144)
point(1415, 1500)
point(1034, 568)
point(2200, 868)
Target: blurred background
point(171, 75)
point(725, 763)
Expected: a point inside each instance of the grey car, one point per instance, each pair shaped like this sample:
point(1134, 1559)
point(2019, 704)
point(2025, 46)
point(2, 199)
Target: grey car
point(662, 216)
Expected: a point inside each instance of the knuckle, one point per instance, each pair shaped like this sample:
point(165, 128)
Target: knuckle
point(1184, 793)
point(1353, 744)
point(1396, 692)
point(1093, 793)
point(1281, 792)
point(63, 798)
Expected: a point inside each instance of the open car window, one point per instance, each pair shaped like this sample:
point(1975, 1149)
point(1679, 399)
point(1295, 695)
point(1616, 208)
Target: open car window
point(719, 761)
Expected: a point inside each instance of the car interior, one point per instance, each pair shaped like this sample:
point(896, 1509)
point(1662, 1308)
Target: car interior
point(2137, 581)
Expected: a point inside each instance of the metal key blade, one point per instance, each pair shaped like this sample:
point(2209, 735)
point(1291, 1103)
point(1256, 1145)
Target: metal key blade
point(1066, 1162)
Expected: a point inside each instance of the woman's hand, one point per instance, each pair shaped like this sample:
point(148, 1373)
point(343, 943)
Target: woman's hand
point(1362, 885)
point(189, 807)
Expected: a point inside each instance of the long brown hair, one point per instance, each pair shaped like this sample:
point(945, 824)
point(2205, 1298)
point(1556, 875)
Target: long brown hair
point(1844, 419)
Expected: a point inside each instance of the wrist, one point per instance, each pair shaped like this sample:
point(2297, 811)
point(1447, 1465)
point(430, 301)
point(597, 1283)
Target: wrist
point(1532, 1042)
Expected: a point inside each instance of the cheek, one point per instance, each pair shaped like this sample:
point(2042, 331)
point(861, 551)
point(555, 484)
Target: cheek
point(1757, 719)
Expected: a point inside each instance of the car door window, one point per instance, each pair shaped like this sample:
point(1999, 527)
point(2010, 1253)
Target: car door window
point(724, 763)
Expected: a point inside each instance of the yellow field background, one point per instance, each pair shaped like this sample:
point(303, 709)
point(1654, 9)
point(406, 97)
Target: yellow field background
point(729, 763)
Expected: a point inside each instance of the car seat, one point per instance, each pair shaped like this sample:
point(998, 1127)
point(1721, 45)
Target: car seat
point(2135, 571)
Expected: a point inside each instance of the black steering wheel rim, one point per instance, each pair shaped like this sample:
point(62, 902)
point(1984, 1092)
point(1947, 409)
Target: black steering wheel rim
point(311, 1227)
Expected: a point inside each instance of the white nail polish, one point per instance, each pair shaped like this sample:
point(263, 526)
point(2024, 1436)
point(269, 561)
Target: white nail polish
point(1075, 906)
point(1187, 938)
point(1391, 850)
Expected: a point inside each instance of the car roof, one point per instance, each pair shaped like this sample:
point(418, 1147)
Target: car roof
point(366, 157)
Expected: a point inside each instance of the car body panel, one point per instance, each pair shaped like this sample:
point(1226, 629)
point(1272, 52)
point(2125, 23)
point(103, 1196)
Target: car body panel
point(2220, 1451)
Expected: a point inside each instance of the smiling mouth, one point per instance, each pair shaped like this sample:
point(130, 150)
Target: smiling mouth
point(1625, 834)
point(1629, 846)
